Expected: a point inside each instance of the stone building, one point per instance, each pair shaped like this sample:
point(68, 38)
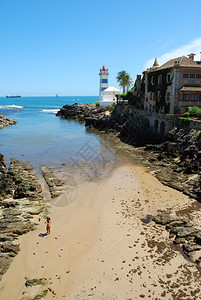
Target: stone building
point(173, 86)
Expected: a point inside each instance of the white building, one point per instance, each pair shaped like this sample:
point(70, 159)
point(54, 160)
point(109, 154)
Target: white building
point(106, 94)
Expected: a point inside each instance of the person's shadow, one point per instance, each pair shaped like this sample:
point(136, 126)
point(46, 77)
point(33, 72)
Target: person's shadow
point(42, 234)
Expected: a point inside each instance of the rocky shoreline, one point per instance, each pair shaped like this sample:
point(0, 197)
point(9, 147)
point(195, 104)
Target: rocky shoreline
point(183, 233)
point(4, 121)
point(21, 200)
point(175, 160)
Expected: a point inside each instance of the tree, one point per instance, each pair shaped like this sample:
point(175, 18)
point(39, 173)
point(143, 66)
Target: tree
point(124, 80)
point(128, 81)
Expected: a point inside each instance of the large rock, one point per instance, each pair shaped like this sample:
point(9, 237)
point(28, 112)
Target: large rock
point(5, 261)
point(191, 247)
point(3, 167)
point(198, 237)
point(165, 219)
point(9, 247)
point(4, 121)
point(181, 231)
point(79, 112)
point(19, 182)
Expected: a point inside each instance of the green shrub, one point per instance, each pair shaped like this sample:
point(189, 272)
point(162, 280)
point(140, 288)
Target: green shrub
point(185, 122)
point(194, 111)
point(122, 96)
point(186, 114)
point(107, 107)
point(97, 103)
point(112, 108)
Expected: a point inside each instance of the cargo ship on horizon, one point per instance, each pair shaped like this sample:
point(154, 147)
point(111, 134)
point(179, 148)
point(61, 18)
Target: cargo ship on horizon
point(14, 96)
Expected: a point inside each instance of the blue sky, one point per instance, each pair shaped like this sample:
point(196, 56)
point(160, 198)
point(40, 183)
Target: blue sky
point(50, 47)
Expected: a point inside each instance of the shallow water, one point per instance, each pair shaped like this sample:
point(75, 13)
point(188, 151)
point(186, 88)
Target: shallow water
point(42, 138)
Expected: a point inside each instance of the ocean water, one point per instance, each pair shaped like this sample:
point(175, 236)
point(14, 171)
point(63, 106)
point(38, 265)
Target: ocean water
point(42, 138)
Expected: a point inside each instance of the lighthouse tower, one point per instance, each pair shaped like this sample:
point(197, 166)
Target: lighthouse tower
point(103, 81)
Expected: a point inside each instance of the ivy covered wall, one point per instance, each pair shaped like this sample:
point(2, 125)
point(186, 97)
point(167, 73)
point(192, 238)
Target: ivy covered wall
point(162, 88)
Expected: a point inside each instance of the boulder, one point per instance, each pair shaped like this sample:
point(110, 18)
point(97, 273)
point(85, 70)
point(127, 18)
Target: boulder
point(181, 231)
point(179, 240)
point(9, 247)
point(4, 121)
point(4, 237)
point(191, 247)
point(198, 237)
point(176, 223)
point(5, 262)
point(165, 218)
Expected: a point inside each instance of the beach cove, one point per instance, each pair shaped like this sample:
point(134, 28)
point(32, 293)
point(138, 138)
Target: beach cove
point(102, 246)
point(103, 242)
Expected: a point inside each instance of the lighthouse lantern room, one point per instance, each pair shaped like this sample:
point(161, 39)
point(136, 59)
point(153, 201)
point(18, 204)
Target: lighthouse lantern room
point(103, 81)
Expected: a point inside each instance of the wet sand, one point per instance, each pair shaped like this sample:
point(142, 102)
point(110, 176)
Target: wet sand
point(102, 245)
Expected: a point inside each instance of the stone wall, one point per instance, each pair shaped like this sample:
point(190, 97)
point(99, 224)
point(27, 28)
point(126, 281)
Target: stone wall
point(160, 123)
point(163, 123)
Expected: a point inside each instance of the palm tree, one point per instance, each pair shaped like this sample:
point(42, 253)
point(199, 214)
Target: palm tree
point(128, 81)
point(124, 80)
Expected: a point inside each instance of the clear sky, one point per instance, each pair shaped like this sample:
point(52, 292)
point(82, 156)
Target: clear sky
point(50, 47)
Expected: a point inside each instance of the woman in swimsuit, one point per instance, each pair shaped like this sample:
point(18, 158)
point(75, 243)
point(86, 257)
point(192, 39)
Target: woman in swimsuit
point(48, 222)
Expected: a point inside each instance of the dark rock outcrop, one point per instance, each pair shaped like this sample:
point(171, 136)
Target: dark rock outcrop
point(79, 112)
point(189, 237)
point(178, 161)
point(4, 121)
point(165, 219)
point(20, 198)
point(55, 185)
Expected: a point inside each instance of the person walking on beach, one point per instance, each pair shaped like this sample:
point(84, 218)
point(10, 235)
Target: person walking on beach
point(48, 222)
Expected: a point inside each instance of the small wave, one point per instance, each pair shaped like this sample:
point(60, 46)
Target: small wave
point(14, 107)
point(50, 111)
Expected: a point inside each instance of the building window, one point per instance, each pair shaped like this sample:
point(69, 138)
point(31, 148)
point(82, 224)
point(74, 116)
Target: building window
point(186, 97)
point(192, 75)
point(152, 80)
point(185, 75)
point(194, 97)
point(104, 80)
point(160, 80)
point(168, 78)
point(198, 75)
point(200, 97)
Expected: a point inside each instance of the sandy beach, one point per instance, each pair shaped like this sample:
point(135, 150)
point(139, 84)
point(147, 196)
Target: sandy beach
point(102, 245)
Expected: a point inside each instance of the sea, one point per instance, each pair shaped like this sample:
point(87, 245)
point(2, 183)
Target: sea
point(42, 138)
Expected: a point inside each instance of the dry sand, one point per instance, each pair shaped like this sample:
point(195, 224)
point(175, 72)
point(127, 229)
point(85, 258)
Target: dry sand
point(99, 248)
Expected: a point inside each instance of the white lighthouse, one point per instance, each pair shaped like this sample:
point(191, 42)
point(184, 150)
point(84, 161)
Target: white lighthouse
point(107, 95)
point(103, 81)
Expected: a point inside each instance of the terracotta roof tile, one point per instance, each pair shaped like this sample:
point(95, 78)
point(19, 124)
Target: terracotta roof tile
point(183, 62)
